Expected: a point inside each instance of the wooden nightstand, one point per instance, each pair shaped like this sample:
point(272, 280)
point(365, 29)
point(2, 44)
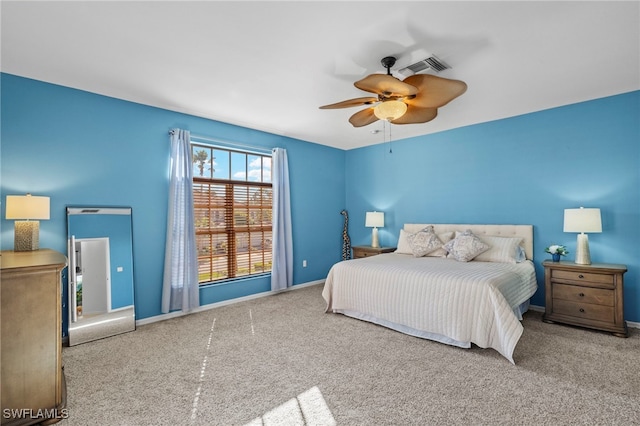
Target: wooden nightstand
point(585, 295)
point(368, 251)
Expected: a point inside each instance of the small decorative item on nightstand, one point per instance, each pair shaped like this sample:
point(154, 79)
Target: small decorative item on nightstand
point(556, 251)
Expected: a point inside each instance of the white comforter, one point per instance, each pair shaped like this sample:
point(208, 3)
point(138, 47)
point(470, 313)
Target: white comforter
point(453, 302)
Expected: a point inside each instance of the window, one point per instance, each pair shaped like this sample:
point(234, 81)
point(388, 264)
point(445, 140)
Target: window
point(232, 197)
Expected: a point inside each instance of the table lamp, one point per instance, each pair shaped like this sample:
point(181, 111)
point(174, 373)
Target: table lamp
point(582, 220)
point(374, 220)
point(27, 210)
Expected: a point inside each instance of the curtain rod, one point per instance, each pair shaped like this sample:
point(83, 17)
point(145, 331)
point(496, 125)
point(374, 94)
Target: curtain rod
point(227, 142)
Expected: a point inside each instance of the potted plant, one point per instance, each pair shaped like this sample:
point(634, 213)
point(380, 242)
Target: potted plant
point(556, 251)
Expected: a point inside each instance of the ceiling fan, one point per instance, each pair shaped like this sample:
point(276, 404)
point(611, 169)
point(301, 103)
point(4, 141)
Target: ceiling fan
point(415, 99)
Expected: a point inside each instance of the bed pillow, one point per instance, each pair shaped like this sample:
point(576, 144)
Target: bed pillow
point(404, 247)
point(465, 246)
point(424, 241)
point(501, 249)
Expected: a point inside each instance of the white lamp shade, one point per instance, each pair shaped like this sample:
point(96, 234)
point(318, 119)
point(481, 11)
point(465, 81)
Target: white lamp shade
point(374, 220)
point(582, 220)
point(390, 110)
point(22, 207)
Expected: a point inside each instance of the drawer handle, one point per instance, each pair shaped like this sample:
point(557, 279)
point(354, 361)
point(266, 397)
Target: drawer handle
point(580, 276)
point(582, 310)
point(581, 295)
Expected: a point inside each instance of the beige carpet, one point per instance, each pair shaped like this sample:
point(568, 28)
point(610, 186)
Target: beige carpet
point(281, 360)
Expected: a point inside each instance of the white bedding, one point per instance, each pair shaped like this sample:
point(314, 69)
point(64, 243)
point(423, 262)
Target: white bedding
point(453, 302)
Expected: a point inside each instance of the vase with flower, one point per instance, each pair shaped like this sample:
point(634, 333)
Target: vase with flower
point(556, 251)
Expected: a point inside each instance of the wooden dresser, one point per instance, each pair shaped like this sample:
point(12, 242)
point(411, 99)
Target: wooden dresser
point(367, 251)
point(33, 386)
point(585, 295)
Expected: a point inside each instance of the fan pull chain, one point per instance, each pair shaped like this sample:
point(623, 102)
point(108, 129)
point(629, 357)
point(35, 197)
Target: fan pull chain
point(390, 145)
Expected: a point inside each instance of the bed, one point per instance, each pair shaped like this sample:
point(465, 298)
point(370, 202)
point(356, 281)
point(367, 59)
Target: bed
point(441, 294)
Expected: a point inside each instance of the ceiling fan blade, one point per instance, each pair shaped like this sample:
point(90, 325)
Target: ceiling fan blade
point(351, 103)
point(434, 91)
point(362, 118)
point(416, 114)
point(385, 85)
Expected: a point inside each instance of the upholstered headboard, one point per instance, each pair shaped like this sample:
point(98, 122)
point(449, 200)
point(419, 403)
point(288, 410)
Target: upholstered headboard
point(523, 231)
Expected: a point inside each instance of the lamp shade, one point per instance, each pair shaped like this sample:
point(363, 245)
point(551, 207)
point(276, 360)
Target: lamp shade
point(390, 110)
point(22, 207)
point(374, 220)
point(582, 220)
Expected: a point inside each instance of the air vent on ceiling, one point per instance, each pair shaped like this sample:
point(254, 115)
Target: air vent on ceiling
point(429, 63)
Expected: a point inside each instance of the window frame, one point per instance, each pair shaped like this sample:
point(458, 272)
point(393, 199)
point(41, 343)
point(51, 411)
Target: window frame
point(220, 259)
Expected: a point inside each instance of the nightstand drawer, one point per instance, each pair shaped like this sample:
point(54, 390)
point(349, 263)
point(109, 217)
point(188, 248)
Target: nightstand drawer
point(359, 254)
point(582, 277)
point(367, 251)
point(573, 293)
point(583, 310)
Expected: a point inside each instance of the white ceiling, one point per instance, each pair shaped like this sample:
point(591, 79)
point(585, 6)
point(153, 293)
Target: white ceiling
point(269, 65)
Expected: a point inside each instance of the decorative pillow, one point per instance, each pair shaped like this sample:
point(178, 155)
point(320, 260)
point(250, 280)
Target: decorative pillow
point(465, 246)
point(424, 241)
point(502, 249)
point(445, 237)
point(403, 246)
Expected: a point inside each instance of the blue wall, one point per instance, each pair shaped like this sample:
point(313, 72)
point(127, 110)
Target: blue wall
point(85, 149)
point(523, 170)
point(81, 148)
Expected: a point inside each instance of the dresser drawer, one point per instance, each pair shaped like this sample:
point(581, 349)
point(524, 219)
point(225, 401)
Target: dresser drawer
point(574, 293)
point(584, 310)
point(582, 277)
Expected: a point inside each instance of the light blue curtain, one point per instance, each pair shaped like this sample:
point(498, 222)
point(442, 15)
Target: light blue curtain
point(282, 268)
point(180, 283)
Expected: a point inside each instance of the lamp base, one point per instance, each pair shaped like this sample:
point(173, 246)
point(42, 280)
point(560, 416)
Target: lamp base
point(374, 238)
point(583, 257)
point(27, 235)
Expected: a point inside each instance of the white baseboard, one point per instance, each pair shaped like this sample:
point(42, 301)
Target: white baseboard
point(537, 308)
point(177, 314)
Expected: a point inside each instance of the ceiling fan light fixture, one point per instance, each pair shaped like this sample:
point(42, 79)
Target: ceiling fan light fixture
point(390, 110)
point(414, 100)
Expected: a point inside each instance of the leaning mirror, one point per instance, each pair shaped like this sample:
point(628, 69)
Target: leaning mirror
point(100, 251)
